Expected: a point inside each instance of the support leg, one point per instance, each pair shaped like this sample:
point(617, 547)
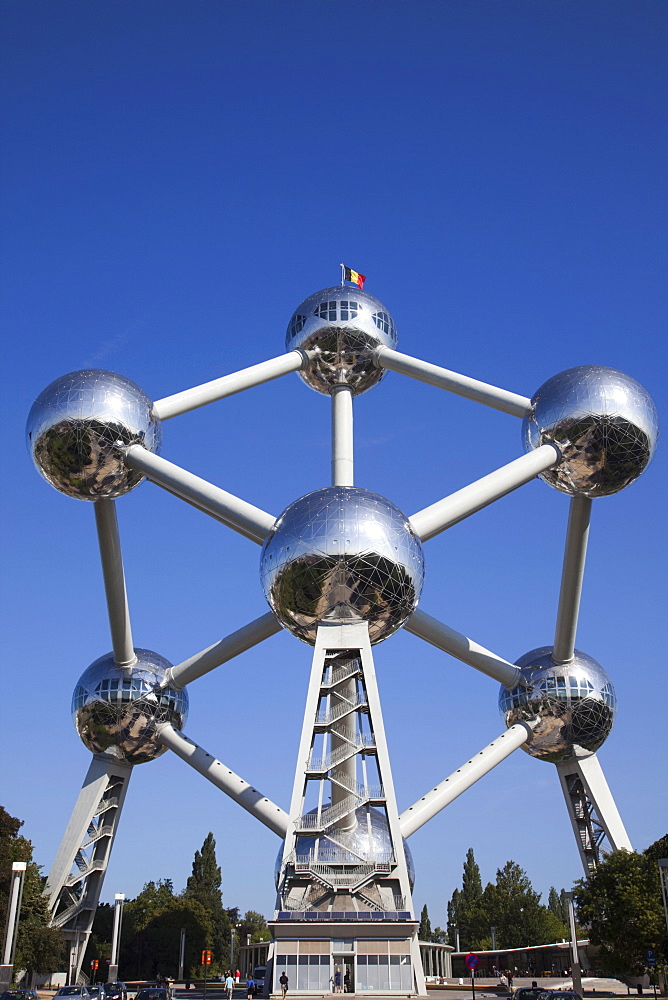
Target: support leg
point(592, 810)
point(75, 880)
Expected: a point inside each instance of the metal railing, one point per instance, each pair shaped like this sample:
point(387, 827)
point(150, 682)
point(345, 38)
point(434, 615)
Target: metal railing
point(335, 675)
point(340, 709)
point(329, 815)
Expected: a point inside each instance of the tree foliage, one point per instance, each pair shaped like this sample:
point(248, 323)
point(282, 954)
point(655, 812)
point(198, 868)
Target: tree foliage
point(39, 948)
point(622, 904)
point(424, 931)
point(204, 885)
point(510, 905)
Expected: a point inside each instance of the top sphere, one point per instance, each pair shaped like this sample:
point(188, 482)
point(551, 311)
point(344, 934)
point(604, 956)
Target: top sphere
point(77, 427)
point(342, 552)
point(345, 326)
point(604, 423)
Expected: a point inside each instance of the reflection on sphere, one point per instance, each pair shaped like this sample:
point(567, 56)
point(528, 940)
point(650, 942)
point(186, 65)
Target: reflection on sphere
point(604, 423)
point(116, 709)
point(574, 702)
point(351, 847)
point(342, 553)
point(78, 425)
point(345, 326)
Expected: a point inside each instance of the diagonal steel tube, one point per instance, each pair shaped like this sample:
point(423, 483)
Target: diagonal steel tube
point(438, 798)
point(575, 554)
point(243, 517)
point(444, 513)
point(114, 582)
point(222, 777)
point(232, 645)
point(461, 385)
point(463, 648)
point(228, 385)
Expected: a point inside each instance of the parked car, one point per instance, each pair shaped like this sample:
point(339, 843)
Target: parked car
point(19, 995)
point(154, 993)
point(115, 991)
point(559, 995)
point(74, 991)
point(259, 973)
point(529, 992)
point(96, 992)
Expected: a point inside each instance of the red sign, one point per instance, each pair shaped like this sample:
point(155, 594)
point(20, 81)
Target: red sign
point(206, 957)
point(95, 964)
point(472, 960)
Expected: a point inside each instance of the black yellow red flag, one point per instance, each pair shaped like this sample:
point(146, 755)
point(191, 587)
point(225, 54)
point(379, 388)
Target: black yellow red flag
point(354, 276)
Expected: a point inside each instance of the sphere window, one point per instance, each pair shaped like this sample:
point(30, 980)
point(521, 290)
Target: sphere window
point(296, 325)
point(326, 310)
point(348, 309)
point(384, 322)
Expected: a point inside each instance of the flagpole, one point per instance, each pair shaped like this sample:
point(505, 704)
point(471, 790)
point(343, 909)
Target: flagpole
point(342, 266)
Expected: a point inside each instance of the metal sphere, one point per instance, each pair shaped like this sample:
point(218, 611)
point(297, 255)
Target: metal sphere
point(575, 705)
point(604, 423)
point(116, 709)
point(342, 553)
point(352, 847)
point(344, 326)
point(77, 427)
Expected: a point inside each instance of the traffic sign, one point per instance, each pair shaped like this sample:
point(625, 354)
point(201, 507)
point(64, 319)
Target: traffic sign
point(651, 958)
point(206, 957)
point(472, 960)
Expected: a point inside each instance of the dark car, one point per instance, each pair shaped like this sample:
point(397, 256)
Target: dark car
point(74, 991)
point(559, 995)
point(154, 993)
point(529, 992)
point(19, 995)
point(115, 991)
point(96, 992)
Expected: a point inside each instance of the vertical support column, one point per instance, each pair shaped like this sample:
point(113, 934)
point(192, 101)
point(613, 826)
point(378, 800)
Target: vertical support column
point(11, 929)
point(592, 809)
point(75, 880)
point(342, 436)
point(119, 902)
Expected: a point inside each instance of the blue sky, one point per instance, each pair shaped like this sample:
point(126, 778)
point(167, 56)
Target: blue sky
point(177, 177)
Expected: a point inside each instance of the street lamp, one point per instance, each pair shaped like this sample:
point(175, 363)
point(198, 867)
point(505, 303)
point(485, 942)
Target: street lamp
point(13, 911)
point(119, 901)
point(575, 958)
point(663, 876)
point(493, 930)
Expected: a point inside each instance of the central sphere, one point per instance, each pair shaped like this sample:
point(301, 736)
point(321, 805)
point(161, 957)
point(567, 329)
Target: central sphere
point(343, 326)
point(342, 553)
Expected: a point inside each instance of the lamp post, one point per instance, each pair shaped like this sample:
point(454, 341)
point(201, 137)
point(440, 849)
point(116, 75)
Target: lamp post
point(575, 958)
point(11, 929)
point(663, 876)
point(182, 953)
point(493, 930)
point(119, 901)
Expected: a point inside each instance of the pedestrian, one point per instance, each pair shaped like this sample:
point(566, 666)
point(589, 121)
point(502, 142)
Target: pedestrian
point(229, 986)
point(337, 980)
point(283, 980)
point(510, 980)
point(250, 987)
point(346, 981)
point(237, 976)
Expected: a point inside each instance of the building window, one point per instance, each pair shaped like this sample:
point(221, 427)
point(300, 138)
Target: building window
point(326, 310)
point(296, 324)
point(384, 322)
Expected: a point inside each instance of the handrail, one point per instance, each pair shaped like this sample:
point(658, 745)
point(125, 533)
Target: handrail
point(335, 675)
point(328, 816)
point(340, 709)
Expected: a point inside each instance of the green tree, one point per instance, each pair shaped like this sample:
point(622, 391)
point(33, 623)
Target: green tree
point(204, 886)
point(424, 931)
point(514, 908)
point(465, 909)
point(39, 948)
point(253, 923)
point(622, 905)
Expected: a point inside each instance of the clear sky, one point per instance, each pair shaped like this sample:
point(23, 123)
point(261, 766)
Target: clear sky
point(177, 176)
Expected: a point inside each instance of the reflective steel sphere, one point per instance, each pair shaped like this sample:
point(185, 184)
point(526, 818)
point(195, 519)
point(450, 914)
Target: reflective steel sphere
point(342, 552)
point(354, 847)
point(116, 709)
point(574, 702)
point(78, 424)
point(604, 423)
point(345, 326)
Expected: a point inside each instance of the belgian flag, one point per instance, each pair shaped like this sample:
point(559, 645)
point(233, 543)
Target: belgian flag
point(354, 276)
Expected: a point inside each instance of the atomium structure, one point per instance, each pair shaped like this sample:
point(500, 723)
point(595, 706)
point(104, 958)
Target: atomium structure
point(342, 570)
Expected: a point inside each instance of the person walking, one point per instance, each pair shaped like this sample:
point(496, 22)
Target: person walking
point(250, 987)
point(229, 985)
point(283, 980)
point(337, 980)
